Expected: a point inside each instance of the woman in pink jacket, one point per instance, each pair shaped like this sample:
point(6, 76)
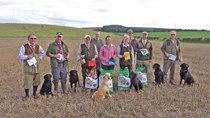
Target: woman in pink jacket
point(108, 54)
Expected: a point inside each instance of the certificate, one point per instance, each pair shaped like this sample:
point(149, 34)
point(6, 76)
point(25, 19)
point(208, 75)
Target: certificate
point(172, 57)
point(144, 52)
point(127, 56)
point(32, 61)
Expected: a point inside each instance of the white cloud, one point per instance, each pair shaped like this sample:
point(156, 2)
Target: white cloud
point(92, 13)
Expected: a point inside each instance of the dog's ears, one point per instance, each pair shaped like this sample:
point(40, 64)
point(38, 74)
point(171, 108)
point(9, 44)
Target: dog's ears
point(47, 76)
point(184, 64)
point(72, 71)
point(156, 65)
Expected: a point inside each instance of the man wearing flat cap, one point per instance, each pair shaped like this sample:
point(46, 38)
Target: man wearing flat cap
point(144, 53)
point(59, 55)
point(86, 52)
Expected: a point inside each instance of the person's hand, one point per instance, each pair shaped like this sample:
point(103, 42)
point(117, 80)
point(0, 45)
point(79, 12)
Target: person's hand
point(30, 56)
point(142, 49)
point(167, 54)
point(93, 59)
point(67, 57)
point(82, 61)
point(180, 60)
point(111, 58)
point(133, 67)
point(57, 56)
point(150, 63)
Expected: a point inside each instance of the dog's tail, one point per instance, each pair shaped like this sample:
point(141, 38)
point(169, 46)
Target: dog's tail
point(93, 97)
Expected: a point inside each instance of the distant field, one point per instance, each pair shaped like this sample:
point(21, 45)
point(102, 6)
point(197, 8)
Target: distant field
point(45, 31)
point(181, 34)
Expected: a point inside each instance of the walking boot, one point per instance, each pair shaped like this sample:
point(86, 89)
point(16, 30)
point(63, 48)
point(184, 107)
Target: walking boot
point(34, 92)
point(63, 85)
point(26, 95)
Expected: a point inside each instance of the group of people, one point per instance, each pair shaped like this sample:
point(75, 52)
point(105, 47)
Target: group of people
point(131, 53)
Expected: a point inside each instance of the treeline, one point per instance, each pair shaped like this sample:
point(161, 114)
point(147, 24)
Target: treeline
point(195, 40)
point(120, 29)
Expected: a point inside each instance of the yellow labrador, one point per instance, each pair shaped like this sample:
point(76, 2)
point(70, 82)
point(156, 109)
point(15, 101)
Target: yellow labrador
point(103, 89)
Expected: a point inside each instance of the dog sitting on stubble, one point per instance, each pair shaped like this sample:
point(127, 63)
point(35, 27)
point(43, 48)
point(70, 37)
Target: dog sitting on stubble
point(135, 81)
point(74, 79)
point(47, 86)
point(158, 74)
point(103, 90)
point(185, 75)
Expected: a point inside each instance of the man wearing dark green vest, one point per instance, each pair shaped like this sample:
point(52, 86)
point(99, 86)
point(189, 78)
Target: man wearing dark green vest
point(86, 52)
point(59, 56)
point(171, 53)
point(31, 54)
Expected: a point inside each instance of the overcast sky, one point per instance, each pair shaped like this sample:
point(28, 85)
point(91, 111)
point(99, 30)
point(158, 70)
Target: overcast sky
point(185, 14)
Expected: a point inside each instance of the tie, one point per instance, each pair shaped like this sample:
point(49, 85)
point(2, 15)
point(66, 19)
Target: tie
point(144, 42)
point(60, 48)
point(32, 47)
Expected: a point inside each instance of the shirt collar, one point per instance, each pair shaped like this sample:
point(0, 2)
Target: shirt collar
point(125, 45)
point(30, 44)
point(108, 45)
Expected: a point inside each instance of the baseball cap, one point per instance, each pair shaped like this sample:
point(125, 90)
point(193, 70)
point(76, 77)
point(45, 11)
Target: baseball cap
point(130, 30)
point(59, 34)
point(86, 36)
point(144, 32)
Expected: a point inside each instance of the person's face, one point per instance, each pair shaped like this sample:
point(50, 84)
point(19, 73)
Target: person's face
point(97, 35)
point(32, 39)
point(144, 36)
point(125, 41)
point(87, 40)
point(130, 34)
point(109, 40)
point(58, 38)
point(173, 35)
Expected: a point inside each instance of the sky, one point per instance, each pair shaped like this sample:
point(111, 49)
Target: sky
point(184, 14)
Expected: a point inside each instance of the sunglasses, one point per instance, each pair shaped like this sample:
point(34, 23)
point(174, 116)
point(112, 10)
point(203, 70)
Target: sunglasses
point(32, 38)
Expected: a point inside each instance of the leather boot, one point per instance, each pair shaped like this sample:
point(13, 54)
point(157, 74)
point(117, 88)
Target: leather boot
point(26, 95)
point(34, 92)
point(55, 88)
point(63, 85)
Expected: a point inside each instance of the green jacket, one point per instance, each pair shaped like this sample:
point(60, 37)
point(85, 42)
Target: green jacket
point(53, 49)
point(171, 48)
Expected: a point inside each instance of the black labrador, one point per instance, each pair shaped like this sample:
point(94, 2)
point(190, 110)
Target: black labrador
point(47, 86)
point(185, 75)
point(135, 82)
point(158, 74)
point(74, 79)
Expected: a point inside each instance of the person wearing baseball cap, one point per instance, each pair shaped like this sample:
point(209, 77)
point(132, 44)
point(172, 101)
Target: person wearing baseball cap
point(86, 53)
point(144, 54)
point(59, 55)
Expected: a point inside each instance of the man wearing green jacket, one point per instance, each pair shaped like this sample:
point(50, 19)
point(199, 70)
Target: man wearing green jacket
point(171, 53)
point(59, 56)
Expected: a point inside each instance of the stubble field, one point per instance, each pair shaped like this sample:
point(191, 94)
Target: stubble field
point(152, 102)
